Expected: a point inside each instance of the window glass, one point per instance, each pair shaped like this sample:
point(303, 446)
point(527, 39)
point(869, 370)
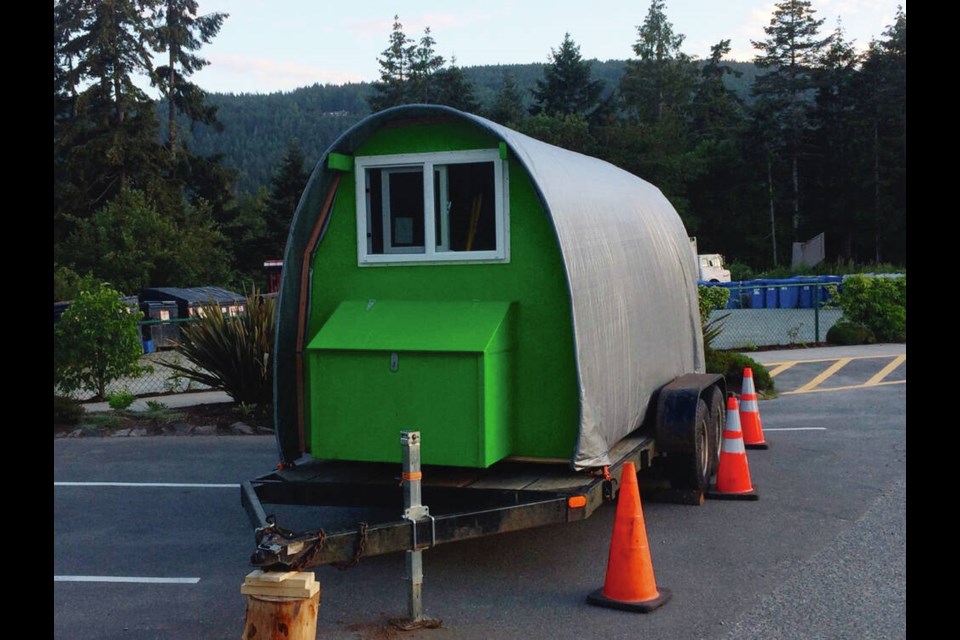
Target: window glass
point(464, 220)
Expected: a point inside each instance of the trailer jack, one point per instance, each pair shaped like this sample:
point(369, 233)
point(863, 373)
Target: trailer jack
point(415, 511)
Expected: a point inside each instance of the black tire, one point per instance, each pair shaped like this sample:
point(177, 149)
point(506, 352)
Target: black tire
point(717, 418)
point(691, 470)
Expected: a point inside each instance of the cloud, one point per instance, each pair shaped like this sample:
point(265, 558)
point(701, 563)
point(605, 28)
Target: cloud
point(270, 75)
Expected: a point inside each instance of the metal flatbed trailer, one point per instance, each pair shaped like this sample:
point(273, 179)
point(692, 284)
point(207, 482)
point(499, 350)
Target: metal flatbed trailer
point(463, 503)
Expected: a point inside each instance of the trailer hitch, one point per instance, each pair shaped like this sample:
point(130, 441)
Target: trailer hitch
point(281, 549)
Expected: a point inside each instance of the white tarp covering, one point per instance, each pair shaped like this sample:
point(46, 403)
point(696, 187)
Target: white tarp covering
point(632, 285)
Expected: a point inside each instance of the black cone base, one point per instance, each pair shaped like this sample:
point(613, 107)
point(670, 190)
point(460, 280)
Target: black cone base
point(713, 494)
point(646, 606)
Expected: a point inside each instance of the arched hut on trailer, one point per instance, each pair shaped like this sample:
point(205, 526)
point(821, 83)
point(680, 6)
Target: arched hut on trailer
point(503, 296)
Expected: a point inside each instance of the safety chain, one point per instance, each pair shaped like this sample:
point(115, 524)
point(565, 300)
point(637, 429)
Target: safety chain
point(307, 559)
point(361, 543)
point(310, 557)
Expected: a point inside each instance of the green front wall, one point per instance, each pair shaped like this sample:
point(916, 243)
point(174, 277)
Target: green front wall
point(541, 404)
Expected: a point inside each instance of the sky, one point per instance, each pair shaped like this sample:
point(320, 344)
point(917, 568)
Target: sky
point(266, 46)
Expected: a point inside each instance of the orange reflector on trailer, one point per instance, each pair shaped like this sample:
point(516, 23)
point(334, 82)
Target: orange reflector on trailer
point(575, 502)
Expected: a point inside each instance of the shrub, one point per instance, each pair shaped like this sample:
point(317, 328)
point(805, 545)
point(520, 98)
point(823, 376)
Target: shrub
point(711, 298)
point(96, 341)
point(877, 303)
point(731, 366)
point(232, 353)
point(850, 333)
point(121, 400)
point(67, 410)
point(740, 271)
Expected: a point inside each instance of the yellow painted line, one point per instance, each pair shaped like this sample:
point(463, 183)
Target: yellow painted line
point(832, 369)
point(883, 373)
point(845, 388)
point(793, 362)
point(780, 369)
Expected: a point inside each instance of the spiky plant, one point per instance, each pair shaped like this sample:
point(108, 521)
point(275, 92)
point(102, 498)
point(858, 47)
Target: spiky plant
point(232, 353)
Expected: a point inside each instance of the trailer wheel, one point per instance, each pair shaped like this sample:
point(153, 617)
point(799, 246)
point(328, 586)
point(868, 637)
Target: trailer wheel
point(717, 413)
point(691, 470)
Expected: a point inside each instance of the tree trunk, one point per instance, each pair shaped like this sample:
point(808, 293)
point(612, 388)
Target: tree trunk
point(796, 198)
point(773, 226)
point(171, 111)
point(876, 191)
point(276, 618)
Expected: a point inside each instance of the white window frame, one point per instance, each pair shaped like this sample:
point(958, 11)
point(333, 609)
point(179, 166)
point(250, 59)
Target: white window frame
point(432, 253)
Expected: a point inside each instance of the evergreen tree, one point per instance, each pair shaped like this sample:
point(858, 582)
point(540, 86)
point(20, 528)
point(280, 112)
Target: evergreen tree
point(566, 87)
point(105, 130)
point(567, 130)
point(720, 194)
point(656, 142)
point(131, 244)
point(245, 230)
point(286, 188)
point(424, 67)
point(838, 173)
point(508, 106)
point(716, 110)
point(455, 90)
point(662, 77)
point(395, 68)
point(882, 89)
point(791, 54)
point(180, 32)
point(123, 208)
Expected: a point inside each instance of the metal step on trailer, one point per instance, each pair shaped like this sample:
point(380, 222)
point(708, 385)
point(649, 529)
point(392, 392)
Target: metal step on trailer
point(451, 503)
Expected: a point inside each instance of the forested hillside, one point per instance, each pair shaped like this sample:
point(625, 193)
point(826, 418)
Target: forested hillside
point(808, 137)
point(258, 127)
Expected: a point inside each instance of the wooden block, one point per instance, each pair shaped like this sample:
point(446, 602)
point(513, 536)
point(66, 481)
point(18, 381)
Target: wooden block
point(259, 575)
point(281, 591)
point(269, 582)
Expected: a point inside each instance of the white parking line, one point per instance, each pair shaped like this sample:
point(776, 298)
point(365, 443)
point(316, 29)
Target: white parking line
point(138, 580)
point(173, 485)
point(797, 429)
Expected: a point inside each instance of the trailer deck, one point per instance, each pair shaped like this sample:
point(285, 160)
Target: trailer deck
point(462, 503)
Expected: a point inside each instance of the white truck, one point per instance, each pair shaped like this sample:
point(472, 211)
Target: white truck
point(710, 267)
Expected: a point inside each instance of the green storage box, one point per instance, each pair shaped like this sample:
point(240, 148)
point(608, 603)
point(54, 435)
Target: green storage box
point(377, 368)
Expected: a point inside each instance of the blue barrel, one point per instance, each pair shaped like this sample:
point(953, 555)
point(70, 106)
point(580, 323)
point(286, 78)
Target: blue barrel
point(770, 293)
point(149, 346)
point(807, 286)
point(751, 296)
point(755, 293)
point(788, 294)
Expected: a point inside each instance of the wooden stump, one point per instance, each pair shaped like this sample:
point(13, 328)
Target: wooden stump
point(281, 606)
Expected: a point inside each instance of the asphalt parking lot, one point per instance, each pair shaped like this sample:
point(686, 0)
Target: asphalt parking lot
point(150, 540)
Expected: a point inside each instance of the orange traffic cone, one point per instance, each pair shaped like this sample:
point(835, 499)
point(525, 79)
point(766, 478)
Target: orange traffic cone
point(733, 475)
point(750, 414)
point(629, 584)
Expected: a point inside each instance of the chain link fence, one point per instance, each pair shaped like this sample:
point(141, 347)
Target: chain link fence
point(758, 314)
point(159, 339)
point(772, 313)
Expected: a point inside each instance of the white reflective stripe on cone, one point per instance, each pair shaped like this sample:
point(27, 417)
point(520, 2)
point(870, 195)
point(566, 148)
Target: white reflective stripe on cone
point(733, 445)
